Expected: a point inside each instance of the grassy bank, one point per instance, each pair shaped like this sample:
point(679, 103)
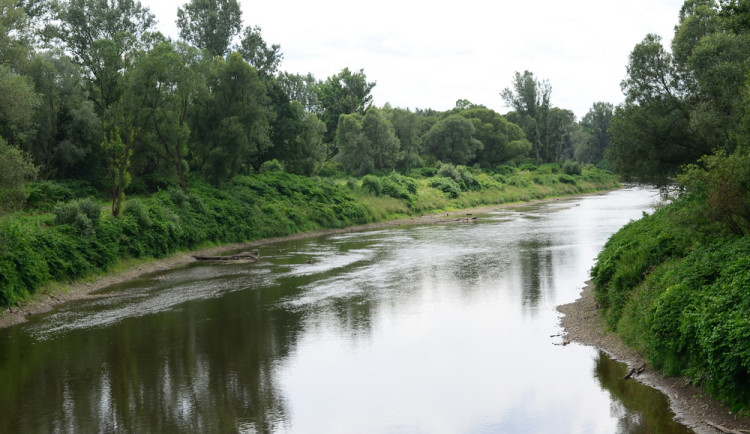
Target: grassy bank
point(66, 234)
point(676, 287)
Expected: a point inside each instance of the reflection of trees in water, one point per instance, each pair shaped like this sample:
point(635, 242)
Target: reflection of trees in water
point(536, 269)
point(638, 408)
point(207, 367)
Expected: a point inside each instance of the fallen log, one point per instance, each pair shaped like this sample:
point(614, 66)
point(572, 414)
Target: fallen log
point(248, 256)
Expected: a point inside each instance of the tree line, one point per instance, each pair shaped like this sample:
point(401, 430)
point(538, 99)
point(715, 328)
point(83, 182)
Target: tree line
point(91, 92)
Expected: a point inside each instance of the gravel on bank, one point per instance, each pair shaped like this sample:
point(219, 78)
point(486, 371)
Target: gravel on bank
point(583, 323)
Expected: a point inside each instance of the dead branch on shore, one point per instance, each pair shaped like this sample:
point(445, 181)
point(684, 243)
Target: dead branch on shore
point(247, 256)
point(722, 429)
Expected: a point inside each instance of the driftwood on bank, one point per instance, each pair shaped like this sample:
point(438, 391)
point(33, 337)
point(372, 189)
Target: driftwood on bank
point(246, 256)
point(723, 429)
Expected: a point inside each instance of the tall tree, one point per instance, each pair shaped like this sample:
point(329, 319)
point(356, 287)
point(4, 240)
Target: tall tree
point(560, 126)
point(67, 128)
point(230, 125)
point(596, 124)
point(106, 37)
point(210, 24)
point(343, 93)
point(302, 88)
point(503, 141)
point(258, 54)
point(176, 77)
point(367, 143)
point(382, 142)
point(451, 140)
point(409, 128)
point(698, 88)
point(530, 99)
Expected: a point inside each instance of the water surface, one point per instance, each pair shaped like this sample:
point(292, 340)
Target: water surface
point(436, 329)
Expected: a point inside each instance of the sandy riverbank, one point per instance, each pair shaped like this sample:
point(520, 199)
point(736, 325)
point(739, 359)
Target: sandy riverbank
point(583, 323)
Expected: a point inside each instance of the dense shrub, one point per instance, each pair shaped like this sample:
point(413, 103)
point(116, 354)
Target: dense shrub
point(271, 166)
point(372, 184)
point(460, 175)
point(398, 187)
point(446, 185)
point(82, 215)
point(567, 179)
point(571, 168)
point(504, 169)
point(676, 288)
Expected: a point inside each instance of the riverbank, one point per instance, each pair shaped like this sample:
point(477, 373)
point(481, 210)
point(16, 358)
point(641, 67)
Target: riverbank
point(584, 324)
point(55, 294)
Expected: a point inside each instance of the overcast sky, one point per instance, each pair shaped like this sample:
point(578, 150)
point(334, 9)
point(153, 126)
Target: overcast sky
point(429, 54)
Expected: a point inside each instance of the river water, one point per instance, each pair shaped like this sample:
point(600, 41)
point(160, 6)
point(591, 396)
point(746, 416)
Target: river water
point(443, 328)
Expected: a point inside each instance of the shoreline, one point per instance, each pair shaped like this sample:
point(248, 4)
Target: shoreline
point(55, 294)
point(583, 323)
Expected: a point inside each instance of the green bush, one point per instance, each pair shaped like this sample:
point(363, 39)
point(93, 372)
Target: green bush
point(446, 185)
point(82, 215)
point(571, 168)
point(567, 179)
point(271, 166)
point(504, 170)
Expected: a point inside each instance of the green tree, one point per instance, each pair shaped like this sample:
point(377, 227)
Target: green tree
point(382, 142)
point(560, 126)
point(503, 141)
point(67, 129)
point(530, 100)
point(230, 125)
point(18, 100)
point(174, 75)
point(595, 124)
point(104, 37)
point(451, 140)
point(352, 146)
point(258, 54)
point(210, 24)
point(343, 93)
point(367, 143)
point(16, 169)
point(409, 129)
point(650, 143)
point(301, 88)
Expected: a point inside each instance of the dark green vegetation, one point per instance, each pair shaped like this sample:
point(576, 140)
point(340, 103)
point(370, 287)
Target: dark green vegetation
point(67, 235)
point(676, 284)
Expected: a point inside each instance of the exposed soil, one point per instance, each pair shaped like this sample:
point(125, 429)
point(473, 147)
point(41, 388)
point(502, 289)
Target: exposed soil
point(583, 323)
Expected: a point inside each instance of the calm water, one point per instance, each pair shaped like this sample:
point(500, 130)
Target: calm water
point(429, 329)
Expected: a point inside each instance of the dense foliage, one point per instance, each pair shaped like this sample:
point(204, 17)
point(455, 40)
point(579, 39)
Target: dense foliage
point(77, 237)
point(675, 284)
point(91, 92)
point(68, 236)
point(689, 102)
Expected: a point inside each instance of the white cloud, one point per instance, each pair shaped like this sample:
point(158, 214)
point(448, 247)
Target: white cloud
point(428, 54)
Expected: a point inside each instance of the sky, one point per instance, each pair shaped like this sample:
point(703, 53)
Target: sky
point(429, 54)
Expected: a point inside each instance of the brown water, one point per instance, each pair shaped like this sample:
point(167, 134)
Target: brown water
point(430, 329)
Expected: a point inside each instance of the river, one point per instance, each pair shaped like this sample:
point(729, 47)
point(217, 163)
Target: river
point(443, 328)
